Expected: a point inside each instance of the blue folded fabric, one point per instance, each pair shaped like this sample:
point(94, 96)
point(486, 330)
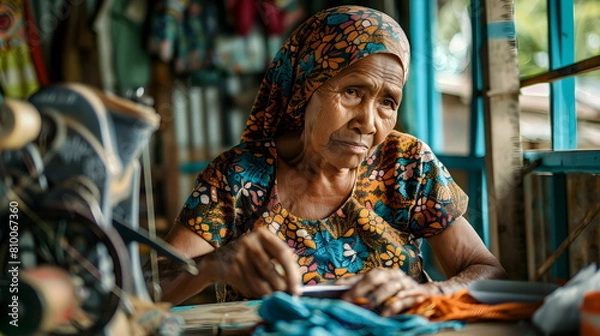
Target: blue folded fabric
point(288, 315)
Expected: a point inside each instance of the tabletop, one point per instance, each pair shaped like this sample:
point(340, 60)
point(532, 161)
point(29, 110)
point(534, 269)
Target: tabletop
point(239, 318)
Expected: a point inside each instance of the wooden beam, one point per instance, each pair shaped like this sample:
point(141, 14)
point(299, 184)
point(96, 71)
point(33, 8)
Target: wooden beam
point(161, 89)
point(573, 161)
point(504, 157)
point(567, 242)
point(578, 68)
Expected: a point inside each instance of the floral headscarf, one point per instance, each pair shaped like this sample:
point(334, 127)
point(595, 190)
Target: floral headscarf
point(316, 51)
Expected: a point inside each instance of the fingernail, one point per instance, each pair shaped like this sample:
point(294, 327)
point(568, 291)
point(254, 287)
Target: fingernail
point(279, 269)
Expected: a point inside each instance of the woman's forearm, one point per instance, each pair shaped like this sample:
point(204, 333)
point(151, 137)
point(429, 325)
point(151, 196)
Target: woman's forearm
point(467, 260)
point(178, 285)
point(463, 279)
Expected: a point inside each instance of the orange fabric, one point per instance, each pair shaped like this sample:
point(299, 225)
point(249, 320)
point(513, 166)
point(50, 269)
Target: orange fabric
point(462, 306)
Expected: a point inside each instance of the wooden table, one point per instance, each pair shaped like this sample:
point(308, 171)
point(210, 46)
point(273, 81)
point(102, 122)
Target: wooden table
point(493, 329)
point(238, 318)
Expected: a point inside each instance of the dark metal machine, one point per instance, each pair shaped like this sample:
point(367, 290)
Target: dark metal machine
point(70, 174)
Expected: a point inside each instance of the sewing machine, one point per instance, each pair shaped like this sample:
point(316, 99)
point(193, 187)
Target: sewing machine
point(70, 177)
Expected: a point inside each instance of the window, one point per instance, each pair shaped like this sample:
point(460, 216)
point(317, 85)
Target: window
point(546, 169)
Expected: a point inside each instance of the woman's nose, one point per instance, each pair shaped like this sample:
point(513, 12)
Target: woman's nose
point(364, 118)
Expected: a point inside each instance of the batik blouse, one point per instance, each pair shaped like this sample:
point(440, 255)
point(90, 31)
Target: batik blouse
point(402, 193)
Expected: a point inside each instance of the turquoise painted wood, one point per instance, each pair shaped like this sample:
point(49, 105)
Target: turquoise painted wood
point(423, 112)
point(563, 120)
point(561, 50)
point(421, 108)
point(478, 206)
point(470, 164)
point(573, 161)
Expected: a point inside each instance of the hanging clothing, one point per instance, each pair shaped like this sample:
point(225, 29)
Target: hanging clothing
point(183, 32)
point(18, 78)
point(75, 53)
point(35, 44)
point(102, 28)
point(247, 12)
point(131, 59)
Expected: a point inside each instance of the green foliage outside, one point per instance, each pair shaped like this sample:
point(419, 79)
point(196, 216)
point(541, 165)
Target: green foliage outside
point(452, 50)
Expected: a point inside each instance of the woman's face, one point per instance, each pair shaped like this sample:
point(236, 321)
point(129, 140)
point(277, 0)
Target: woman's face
point(353, 112)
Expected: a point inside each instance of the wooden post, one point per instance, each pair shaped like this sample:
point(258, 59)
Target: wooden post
point(504, 158)
point(162, 89)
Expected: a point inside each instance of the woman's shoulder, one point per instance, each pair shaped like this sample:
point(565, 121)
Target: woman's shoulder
point(398, 150)
point(397, 136)
point(247, 161)
point(403, 144)
point(264, 148)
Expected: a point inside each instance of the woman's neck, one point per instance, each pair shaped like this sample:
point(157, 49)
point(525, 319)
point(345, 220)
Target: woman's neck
point(307, 187)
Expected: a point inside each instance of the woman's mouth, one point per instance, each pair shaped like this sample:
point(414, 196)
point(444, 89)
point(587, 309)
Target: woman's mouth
point(355, 147)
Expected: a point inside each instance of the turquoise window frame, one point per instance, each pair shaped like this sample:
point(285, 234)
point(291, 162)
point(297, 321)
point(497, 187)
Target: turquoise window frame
point(564, 158)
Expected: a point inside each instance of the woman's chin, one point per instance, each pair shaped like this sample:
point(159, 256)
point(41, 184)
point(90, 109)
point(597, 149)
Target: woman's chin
point(349, 162)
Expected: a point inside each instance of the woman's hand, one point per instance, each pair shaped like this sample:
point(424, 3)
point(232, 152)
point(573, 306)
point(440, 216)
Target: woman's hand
point(258, 263)
point(389, 290)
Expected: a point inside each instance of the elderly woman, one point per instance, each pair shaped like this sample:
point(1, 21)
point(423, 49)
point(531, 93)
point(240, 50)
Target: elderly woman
point(321, 186)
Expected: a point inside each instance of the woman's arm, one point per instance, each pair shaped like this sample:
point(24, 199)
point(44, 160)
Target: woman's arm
point(462, 255)
point(464, 259)
point(177, 285)
point(248, 264)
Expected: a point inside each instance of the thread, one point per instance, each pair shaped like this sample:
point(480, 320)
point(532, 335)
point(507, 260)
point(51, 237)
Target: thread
point(20, 123)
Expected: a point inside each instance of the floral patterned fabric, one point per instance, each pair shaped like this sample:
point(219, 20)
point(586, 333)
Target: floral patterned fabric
point(402, 192)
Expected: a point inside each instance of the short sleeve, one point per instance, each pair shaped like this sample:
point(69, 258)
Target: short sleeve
point(438, 199)
point(230, 192)
point(209, 209)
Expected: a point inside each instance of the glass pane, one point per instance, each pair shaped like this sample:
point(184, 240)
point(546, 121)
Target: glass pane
point(587, 29)
point(535, 119)
point(532, 36)
point(588, 110)
point(587, 44)
point(532, 42)
point(452, 57)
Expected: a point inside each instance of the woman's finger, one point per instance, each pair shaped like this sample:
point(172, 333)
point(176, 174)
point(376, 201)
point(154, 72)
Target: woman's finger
point(250, 282)
point(282, 255)
point(243, 264)
point(268, 272)
point(376, 286)
point(362, 289)
point(259, 259)
point(386, 290)
point(396, 305)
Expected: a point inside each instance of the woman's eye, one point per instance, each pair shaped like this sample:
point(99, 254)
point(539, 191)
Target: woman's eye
point(389, 103)
point(351, 92)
